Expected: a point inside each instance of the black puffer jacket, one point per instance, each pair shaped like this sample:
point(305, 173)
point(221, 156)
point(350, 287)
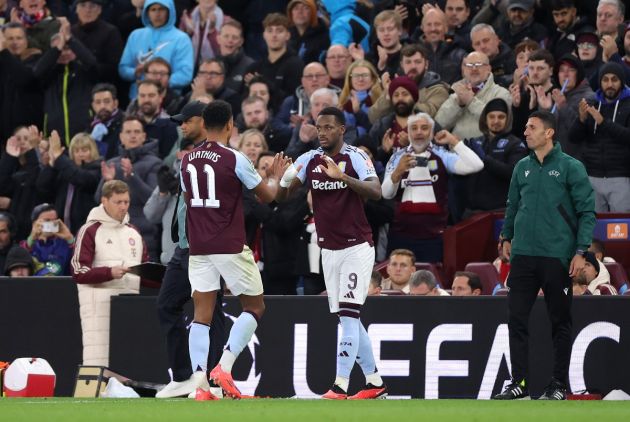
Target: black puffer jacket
point(312, 45)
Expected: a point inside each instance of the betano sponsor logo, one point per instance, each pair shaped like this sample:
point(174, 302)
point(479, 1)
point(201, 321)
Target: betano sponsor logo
point(328, 185)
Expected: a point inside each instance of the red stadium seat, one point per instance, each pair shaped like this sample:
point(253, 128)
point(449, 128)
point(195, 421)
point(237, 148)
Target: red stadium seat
point(618, 276)
point(435, 268)
point(488, 275)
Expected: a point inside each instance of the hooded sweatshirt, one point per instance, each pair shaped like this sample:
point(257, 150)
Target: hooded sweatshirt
point(602, 278)
point(167, 42)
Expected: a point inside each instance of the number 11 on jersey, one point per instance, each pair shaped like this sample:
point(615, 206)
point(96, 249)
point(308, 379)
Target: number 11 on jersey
point(197, 201)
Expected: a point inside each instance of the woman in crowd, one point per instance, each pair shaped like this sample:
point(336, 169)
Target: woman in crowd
point(361, 89)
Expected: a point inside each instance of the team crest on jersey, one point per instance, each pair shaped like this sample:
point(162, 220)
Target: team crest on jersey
point(132, 242)
point(554, 173)
point(342, 166)
point(432, 165)
point(526, 173)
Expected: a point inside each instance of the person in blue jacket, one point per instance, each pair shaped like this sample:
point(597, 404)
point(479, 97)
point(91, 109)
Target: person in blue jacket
point(159, 38)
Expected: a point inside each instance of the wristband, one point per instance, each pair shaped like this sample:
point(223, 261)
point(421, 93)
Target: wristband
point(288, 176)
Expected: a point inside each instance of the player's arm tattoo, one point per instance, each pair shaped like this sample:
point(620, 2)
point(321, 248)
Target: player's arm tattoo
point(369, 188)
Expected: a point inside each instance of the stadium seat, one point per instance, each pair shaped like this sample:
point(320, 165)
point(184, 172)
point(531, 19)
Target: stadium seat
point(618, 276)
point(381, 268)
point(626, 293)
point(502, 291)
point(435, 268)
point(606, 290)
point(488, 275)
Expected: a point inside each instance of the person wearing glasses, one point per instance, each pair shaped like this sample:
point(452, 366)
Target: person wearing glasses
point(210, 82)
point(338, 60)
point(461, 111)
point(159, 70)
point(360, 91)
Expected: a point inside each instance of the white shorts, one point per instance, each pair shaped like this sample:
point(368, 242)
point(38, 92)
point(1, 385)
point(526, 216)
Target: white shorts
point(347, 274)
point(239, 271)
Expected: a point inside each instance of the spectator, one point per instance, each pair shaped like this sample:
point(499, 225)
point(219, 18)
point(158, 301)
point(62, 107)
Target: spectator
point(7, 234)
point(101, 267)
point(105, 127)
point(50, 242)
point(296, 107)
point(21, 97)
point(466, 283)
point(39, 22)
point(603, 131)
point(432, 91)
point(390, 131)
point(500, 151)
point(388, 27)
point(6, 6)
point(374, 288)
point(252, 143)
point(159, 70)
point(460, 113)
point(210, 81)
point(593, 275)
point(67, 72)
point(568, 25)
point(309, 32)
point(580, 286)
point(599, 249)
point(610, 16)
point(502, 61)
point(156, 121)
point(338, 60)
point(230, 41)
point(158, 38)
point(423, 283)
point(350, 22)
point(19, 263)
point(19, 168)
point(400, 267)
point(256, 116)
point(590, 52)
point(361, 89)
point(522, 52)
point(281, 67)
point(421, 203)
point(137, 165)
point(446, 56)
point(71, 178)
point(130, 20)
point(458, 19)
point(520, 24)
point(260, 87)
point(101, 38)
point(203, 25)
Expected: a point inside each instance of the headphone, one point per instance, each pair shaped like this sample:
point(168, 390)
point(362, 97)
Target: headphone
point(12, 225)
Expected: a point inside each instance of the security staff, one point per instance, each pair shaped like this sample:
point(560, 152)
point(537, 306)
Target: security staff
point(548, 228)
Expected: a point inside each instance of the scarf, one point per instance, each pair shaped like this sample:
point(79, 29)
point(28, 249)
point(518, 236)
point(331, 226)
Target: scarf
point(31, 20)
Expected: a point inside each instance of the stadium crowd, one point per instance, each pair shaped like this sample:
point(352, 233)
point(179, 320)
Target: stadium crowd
point(436, 91)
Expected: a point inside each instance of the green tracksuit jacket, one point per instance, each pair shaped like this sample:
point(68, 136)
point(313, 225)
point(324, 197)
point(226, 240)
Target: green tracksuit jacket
point(550, 208)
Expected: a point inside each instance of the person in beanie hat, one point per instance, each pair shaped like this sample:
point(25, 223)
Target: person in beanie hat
point(603, 128)
point(19, 263)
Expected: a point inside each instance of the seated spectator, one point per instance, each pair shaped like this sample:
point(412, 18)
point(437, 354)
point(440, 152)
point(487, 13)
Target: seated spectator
point(210, 82)
point(230, 41)
point(338, 60)
point(399, 269)
point(609, 23)
point(599, 249)
point(500, 151)
point(159, 70)
point(593, 275)
point(137, 165)
point(432, 91)
point(460, 113)
point(105, 127)
point(158, 38)
point(466, 283)
point(7, 232)
point(39, 22)
point(19, 168)
point(19, 263)
point(203, 25)
point(259, 87)
point(67, 72)
point(502, 61)
point(423, 283)
point(22, 98)
point(458, 18)
point(72, 179)
point(417, 176)
point(361, 89)
point(304, 137)
point(107, 245)
point(309, 32)
point(520, 24)
point(256, 116)
point(252, 143)
point(50, 242)
point(590, 53)
point(374, 289)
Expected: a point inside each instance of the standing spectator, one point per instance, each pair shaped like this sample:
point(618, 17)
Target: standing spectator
point(350, 22)
point(610, 16)
point(458, 17)
point(67, 72)
point(400, 267)
point(50, 242)
point(603, 131)
point(203, 25)
point(361, 89)
point(21, 97)
point(281, 67)
point(461, 111)
point(210, 82)
point(159, 38)
point(72, 179)
point(568, 25)
point(256, 116)
point(466, 283)
point(520, 24)
point(39, 22)
point(105, 127)
point(101, 38)
point(338, 60)
point(7, 234)
point(230, 41)
point(502, 60)
point(386, 58)
point(107, 245)
point(137, 165)
point(309, 32)
point(130, 20)
point(589, 52)
point(548, 227)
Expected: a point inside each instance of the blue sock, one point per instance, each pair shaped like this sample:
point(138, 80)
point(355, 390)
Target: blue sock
point(240, 334)
point(199, 346)
point(348, 345)
point(365, 356)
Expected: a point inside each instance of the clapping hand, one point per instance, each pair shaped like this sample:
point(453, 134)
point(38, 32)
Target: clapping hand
point(356, 51)
point(55, 148)
point(126, 167)
point(108, 171)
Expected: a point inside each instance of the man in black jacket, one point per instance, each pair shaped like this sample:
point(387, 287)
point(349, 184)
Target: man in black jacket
point(230, 42)
point(105, 127)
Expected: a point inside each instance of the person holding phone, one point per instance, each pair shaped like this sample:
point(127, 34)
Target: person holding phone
point(50, 242)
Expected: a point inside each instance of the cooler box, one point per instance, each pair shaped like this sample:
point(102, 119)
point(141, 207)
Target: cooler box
point(29, 377)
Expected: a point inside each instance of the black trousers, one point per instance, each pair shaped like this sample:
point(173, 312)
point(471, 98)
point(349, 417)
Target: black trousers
point(174, 294)
point(528, 274)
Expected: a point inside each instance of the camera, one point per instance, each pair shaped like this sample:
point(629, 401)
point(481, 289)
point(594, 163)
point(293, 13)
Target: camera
point(50, 226)
point(421, 161)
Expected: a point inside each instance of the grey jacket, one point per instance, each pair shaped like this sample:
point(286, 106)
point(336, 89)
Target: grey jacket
point(159, 209)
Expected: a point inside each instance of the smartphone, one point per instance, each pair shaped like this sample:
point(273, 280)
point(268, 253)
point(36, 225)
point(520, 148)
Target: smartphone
point(50, 227)
point(421, 161)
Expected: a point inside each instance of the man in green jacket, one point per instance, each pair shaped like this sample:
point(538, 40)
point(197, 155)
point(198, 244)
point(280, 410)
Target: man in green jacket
point(548, 228)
